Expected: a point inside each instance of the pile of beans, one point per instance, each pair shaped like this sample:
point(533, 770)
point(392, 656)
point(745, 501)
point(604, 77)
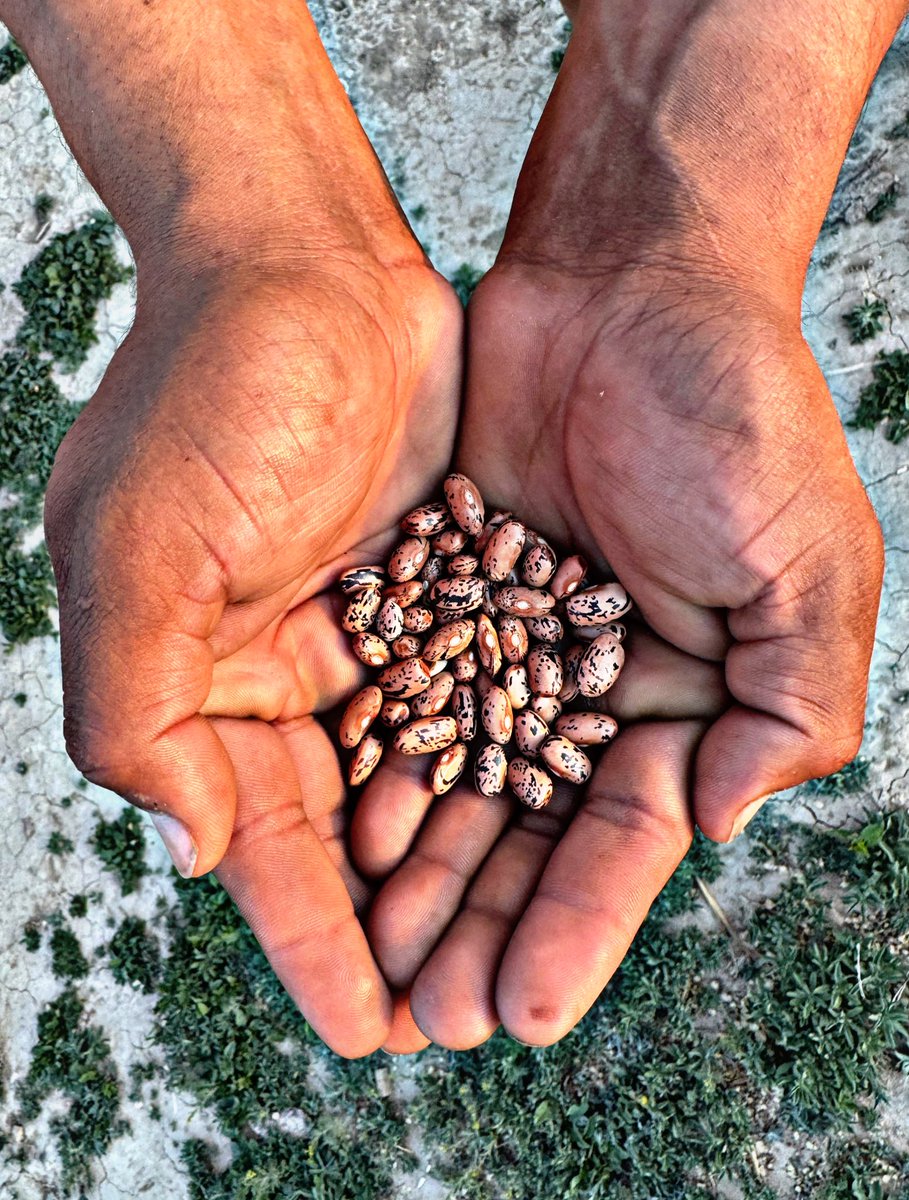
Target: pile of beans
point(483, 641)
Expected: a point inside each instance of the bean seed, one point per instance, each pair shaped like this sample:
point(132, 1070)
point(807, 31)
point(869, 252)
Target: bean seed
point(482, 683)
point(598, 605)
point(390, 620)
point(545, 671)
point(448, 768)
point(568, 577)
point(361, 611)
point(452, 541)
point(539, 564)
point(503, 550)
point(523, 601)
point(394, 713)
point(463, 564)
point(530, 731)
point(548, 707)
point(497, 519)
point(572, 660)
point(488, 647)
point(435, 668)
point(404, 593)
point(587, 728)
point(529, 782)
point(617, 629)
point(365, 760)
point(545, 629)
point(515, 683)
point(565, 759)
point(459, 591)
point(425, 735)
point(405, 679)
point(464, 706)
point(490, 770)
point(466, 503)
point(513, 638)
point(371, 649)
point(433, 571)
point(427, 520)
point(496, 715)
point(417, 619)
point(357, 579)
point(408, 558)
point(449, 641)
point(464, 666)
point(436, 696)
point(407, 646)
point(600, 666)
point(359, 715)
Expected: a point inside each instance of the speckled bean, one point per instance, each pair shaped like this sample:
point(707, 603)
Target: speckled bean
point(371, 649)
point(487, 645)
point(571, 660)
point(404, 593)
point(490, 770)
point(448, 768)
point(617, 629)
point(569, 576)
point(435, 668)
point(504, 550)
point(586, 728)
point(361, 611)
point(436, 696)
point(394, 713)
point(513, 638)
point(390, 620)
point(417, 618)
point(407, 646)
point(451, 542)
point(463, 564)
point(597, 605)
point(408, 558)
point(365, 760)
point(464, 707)
point(496, 715)
point(404, 679)
point(530, 731)
point(433, 571)
point(450, 640)
point(529, 782)
point(523, 601)
point(545, 629)
point(515, 684)
point(357, 579)
point(359, 715)
point(548, 707)
point(427, 520)
point(458, 591)
point(465, 502)
point(425, 735)
point(600, 666)
point(498, 518)
point(539, 564)
point(565, 759)
point(545, 671)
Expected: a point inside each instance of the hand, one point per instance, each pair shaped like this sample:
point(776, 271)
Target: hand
point(638, 387)
point(255, 434)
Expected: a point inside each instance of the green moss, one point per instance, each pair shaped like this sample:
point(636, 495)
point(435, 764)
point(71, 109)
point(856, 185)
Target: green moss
point(866, 319)
point(61, 288)
point(120, 844)
point(885, 400)
point(134, 955)
point(58, 843)
point(67, 959)
point(465, 280)
point(72, 1059)
point(883, 204)
point(12, 60)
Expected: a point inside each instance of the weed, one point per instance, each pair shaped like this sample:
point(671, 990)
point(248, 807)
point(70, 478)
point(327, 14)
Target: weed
point(867, 319)
point(134, 955)
point(12, 60)
point(465, 280)
point(120, 844)
point(58, 843)
point(78, 906)
point(31, 937)
point(847, 780)
point(885, 400)
point(67, 959)
point(882, 205)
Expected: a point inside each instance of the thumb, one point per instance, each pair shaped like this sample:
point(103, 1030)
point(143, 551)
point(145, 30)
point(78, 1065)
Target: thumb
point(137, 667)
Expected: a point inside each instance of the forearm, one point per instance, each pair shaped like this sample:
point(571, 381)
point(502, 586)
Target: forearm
point(711, 128)
point(212, 128)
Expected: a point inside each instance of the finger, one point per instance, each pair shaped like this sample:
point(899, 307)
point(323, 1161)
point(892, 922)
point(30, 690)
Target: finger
point(415, 905)
point(405, 1037)
point(136, 670)
point(453, 997)
point(661, 682)
point(621, 847)
point(389, 813)
point(284, 884)
point(799, 671)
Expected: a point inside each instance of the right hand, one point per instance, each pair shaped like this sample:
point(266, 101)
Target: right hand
point(256, 433)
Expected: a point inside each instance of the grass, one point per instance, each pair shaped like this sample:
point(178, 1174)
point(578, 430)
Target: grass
point(67, 959)
point(866, 319)
point(885, 400)
point(120, 844)
point(134, 955)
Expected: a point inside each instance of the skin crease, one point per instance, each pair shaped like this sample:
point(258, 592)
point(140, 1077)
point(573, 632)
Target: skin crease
point(290, 387)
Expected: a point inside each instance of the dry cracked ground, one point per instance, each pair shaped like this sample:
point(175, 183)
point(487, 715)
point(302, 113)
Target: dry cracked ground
point(107, 1088)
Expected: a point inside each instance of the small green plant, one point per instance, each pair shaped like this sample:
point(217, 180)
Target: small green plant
point(557, 57)
point(885, 400)
point(12, 60)
point(78, 906)
point(883, 204)
point(120, 844)
point(867, 319)
point(31, 937)
point(134, 955)
point(67, 959)
point(58, 843)
point(43, 206)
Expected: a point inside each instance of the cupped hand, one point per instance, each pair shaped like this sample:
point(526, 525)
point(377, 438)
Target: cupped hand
point(684, 442)
point(259, 430)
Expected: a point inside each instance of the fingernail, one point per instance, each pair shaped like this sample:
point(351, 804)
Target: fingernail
point(747, 813)
point(177, 841)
